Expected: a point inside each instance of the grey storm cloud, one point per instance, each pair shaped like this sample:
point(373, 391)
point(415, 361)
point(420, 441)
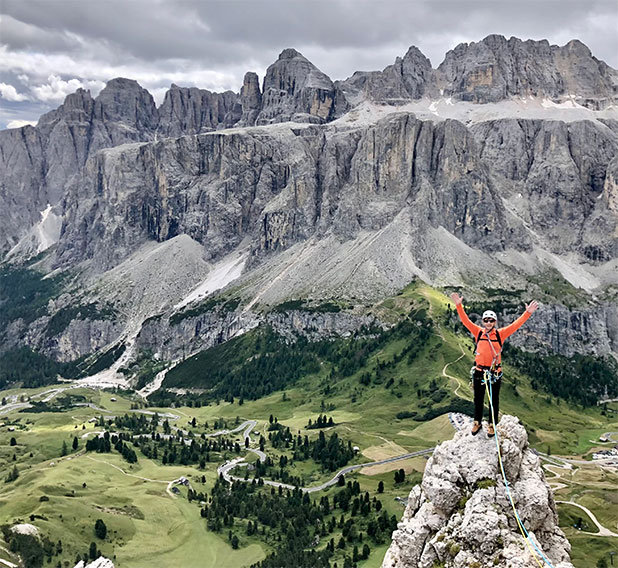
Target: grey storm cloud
point(51, 44)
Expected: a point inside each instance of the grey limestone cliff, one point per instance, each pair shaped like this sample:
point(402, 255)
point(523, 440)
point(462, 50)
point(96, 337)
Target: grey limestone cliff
point(295, 89)
point(250, 99)
point(193, 111)
point(410, 77)
point(496, 68)
point(351, 208)
point(38, 164)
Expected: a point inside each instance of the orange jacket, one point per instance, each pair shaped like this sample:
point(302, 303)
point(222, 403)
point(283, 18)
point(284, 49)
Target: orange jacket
point(484, 353)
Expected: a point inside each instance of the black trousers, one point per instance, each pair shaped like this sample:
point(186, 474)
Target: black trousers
point(479, 397)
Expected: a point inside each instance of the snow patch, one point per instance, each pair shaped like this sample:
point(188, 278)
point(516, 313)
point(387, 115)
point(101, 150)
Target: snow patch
point(48, 229)
point(41, 236)
point(568, 104)
point(225, 271)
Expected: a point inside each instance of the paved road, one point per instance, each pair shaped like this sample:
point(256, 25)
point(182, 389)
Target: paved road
point(247, 425)
point(226, 468)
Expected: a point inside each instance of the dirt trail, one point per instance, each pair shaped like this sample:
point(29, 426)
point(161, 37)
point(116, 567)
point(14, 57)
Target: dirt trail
point(463, 353)
point(389, 442)
point(602, 530)
point(129, 474)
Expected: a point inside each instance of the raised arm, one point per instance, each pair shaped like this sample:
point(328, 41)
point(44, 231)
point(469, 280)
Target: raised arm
point(471, 327)
point(512, 328)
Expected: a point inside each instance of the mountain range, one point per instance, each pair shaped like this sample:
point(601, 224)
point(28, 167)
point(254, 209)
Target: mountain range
point(170, 229)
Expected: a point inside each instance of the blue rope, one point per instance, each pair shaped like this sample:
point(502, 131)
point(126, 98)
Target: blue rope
point(506, 483)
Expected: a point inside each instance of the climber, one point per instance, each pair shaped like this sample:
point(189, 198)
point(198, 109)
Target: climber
point(487, 358)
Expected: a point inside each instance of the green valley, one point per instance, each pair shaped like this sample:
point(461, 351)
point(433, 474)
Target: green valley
point(382, 394)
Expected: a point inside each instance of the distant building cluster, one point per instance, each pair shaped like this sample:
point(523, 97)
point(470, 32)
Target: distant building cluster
point(605, 454)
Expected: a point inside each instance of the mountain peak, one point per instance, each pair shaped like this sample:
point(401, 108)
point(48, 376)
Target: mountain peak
point(122, 83)
point(461, 514)
point(295, 89)
point(289, 53)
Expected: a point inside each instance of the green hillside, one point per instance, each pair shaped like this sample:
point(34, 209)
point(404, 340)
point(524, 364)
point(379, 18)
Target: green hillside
point(387, 392)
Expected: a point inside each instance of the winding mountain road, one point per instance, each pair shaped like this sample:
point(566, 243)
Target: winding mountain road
point(602, 530)
point(226, 468)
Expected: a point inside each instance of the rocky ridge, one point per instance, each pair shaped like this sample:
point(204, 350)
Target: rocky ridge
point(293, 89)
point(328, 206)
point(460, 515)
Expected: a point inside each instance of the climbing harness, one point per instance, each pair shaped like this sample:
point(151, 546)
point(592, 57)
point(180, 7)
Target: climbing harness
point(520, 524)
point(498, 339)
point(491, 376)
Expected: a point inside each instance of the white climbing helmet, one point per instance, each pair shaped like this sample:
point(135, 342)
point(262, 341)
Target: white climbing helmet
point(489, 314)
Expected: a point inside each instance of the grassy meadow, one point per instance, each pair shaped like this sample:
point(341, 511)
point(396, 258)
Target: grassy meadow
point(64, 495)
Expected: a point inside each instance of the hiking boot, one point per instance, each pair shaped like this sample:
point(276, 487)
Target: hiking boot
point(490, 431)
point(476, 428)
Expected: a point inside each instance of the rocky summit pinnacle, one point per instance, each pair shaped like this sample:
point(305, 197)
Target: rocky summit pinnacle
point(289, 53)
point(461, 516)
point(295, 89)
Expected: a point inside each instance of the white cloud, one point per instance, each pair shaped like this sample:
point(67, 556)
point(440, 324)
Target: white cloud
point(20, 123)
point(56, 88)
point(10, 93)
point(47, 74)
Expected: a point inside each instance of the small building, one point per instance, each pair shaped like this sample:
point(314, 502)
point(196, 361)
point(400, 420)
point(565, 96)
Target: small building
point(113, 399)
point(183, 480)
point(356, 449)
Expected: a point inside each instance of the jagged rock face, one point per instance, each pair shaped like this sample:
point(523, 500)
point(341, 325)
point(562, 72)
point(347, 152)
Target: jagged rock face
point(497, 68)
point(295, 89)
point(251, 99)
point(21, 182)
point(460, 515)
point(175, 339)
point(556, 174)
point(395, 199)
point(278, 189)
point(610, 187)
point(125, 103)
point(409, 78)
point(37, 164)
point(193, 111)
point(81, 337)
point(210, 187)
point(123, 112)
point(220, 188)
point(192, 334)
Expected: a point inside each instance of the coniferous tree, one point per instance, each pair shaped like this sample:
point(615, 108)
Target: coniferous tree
point(100, 529)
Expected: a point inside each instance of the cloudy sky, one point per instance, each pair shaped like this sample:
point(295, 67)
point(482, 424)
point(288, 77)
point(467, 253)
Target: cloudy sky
point(49, 48)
